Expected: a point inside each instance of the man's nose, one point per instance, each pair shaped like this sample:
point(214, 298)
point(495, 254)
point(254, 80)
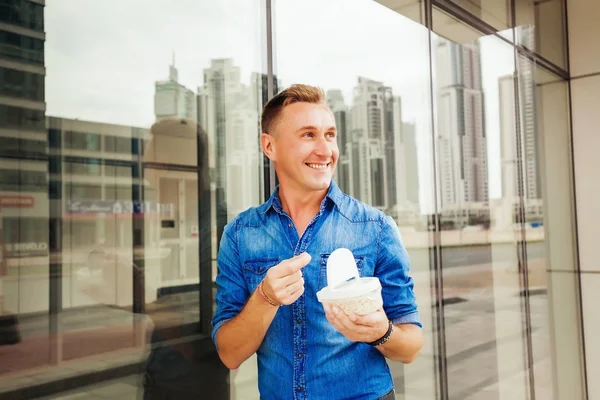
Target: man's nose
point(324, 147)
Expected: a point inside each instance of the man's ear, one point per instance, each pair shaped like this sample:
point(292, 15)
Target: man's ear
point(268, 146)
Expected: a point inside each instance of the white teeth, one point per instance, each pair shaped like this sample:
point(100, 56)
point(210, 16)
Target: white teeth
point(317, 166)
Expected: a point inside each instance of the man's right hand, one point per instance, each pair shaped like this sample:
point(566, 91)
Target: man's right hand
point(284, 283)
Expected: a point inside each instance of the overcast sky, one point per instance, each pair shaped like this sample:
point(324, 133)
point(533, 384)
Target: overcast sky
point(103, 57)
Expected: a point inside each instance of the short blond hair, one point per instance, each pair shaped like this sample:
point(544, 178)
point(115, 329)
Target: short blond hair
point(297, 93)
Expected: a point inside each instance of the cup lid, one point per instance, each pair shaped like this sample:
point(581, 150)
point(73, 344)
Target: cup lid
point(343, 280)
point(355, 288)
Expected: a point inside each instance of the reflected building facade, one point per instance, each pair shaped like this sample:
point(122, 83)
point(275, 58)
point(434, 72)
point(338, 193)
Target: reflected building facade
point(24, 185)
point(462, 164)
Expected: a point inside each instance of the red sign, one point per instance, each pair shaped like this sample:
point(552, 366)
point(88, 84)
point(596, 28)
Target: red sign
point(16, 201)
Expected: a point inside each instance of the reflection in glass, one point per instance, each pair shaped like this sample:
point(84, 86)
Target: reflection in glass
point(490, 180)
point(540, 28)
point(115, 180)
point(380, 101)
point(496, 13)
point(556, 348)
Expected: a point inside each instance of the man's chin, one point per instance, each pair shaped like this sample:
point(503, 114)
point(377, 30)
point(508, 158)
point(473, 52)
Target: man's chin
point(320, 185)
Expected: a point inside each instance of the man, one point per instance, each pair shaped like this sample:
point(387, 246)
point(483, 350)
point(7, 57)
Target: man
point(272, 261)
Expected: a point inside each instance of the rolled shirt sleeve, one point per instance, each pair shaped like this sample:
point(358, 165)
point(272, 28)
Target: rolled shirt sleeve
point(392, 269)
point(232, 292)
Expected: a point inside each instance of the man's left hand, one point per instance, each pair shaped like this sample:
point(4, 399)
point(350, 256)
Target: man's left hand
point(358, 328)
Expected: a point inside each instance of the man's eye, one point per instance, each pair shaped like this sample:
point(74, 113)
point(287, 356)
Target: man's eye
point(331, 134)
point(309, 134)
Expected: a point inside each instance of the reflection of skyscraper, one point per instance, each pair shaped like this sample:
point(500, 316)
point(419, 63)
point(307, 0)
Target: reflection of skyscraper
point(171, 99)
point(335, 101)
point(230, 115)
point(259, 92)
point(532, 188)
point(24, 166)
point(367, 157)
point(461, 132)
point(411, 165)
point(375, 151)
point(508, 138)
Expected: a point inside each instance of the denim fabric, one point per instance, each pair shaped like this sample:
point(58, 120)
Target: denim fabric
point(303, 356)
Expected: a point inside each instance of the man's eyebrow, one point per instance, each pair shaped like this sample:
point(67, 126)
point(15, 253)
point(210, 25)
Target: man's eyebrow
point(314, 128)
point(307, 127)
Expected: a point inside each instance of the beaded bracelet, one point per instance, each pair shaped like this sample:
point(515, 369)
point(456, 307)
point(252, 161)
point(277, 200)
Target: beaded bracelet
point(261, 291)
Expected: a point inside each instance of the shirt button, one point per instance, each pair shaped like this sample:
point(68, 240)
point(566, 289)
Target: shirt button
point(299, 355)
point(298, 321)
point(290, 225)
point(300, 389)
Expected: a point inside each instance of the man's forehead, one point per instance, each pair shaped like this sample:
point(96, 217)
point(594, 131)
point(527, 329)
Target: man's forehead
point(318, 115)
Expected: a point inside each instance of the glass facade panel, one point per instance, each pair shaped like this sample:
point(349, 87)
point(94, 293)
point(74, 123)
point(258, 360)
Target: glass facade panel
point(118, 174)
point(377, 86)
point(541, 29)
point(496, 13)
point(556, 344)
point(479, 190)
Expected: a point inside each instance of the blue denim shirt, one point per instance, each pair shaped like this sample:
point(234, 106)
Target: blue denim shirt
point(302, 355)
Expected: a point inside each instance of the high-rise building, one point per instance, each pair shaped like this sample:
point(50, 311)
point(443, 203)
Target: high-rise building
point(229, 113)
point(24, 166)
point(462, 163)
point(335, 101)
point(518, 150)
point(172, 99)
point(411, 165)
point(367, 157)
point(374, 149)
point(532, 185)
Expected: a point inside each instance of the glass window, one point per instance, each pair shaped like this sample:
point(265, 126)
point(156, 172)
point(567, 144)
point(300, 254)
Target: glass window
point(80, 191)
point(377, 85)
point(540, 28)
point(132, 215)
point(117, 171)
point(22, 118)
point(15, 180)
point(25, 13)
point(20, 84)
point(81, 168)
point(114, 144)
point(81, 141)
point(12, 146)
point(549, 230)
point(496, 13)
point(25, 237)
point(20, 47)
point(494, 157)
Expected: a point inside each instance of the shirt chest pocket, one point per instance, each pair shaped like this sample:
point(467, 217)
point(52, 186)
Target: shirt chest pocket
point(360, 260)
point(255, 271)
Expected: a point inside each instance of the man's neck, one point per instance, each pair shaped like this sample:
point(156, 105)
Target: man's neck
point(301, 206)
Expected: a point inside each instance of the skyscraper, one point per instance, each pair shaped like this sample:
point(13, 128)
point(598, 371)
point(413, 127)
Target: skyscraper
point(172, 99)
point(335, 101)
point(411, 165)
point(462, 163)
point(519, 141)
point(532, 187)
point(230, 115)
point(374, 149)
point(367, 157)
point(24, 156)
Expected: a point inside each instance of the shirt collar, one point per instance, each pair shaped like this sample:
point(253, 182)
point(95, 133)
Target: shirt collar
point(334, 194)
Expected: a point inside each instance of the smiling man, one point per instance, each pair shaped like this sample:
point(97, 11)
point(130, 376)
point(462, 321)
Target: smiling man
point(272, 262)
